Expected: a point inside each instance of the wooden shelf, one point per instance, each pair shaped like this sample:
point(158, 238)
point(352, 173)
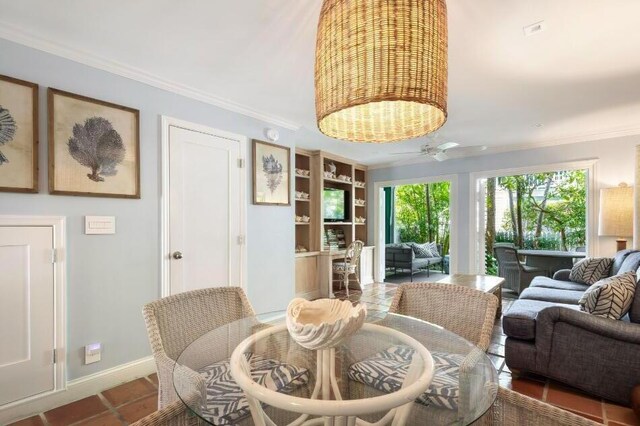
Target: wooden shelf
point(338, 181)
point(360, 224)
point(336, 223)
point(303, 177)
point(304, 200)
point(303, 223)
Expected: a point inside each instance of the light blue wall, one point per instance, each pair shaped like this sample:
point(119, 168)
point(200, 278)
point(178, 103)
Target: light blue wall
point(616, 163)
point(111, 277)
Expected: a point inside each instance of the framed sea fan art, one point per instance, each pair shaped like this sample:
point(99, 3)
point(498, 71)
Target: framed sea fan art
point(94, 147)
point(271, 166)
point(18, 135)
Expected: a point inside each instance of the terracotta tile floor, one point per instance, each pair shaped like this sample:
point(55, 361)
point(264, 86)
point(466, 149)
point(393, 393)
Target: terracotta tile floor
point(131, 401)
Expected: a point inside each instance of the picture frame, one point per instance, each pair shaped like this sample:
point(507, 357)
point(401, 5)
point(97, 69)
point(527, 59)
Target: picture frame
point(19, 139)
point(271, 174)
point(94, 147)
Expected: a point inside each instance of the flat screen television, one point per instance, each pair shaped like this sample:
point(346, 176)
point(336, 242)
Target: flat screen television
point(336, 205)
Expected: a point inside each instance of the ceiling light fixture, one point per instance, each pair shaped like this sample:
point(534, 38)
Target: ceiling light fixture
point(381, 69)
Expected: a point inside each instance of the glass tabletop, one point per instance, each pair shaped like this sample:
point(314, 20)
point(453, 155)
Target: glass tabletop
point(368, 365)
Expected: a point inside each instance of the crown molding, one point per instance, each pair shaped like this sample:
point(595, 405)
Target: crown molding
point(580, 138)
point(11, 33)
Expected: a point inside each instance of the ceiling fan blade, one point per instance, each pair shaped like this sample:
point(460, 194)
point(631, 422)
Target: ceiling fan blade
point(406, 153)
point(469, 149)
point(440, 156)
point(447, 145)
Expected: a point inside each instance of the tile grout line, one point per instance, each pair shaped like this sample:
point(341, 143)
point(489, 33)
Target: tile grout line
point(43, 418)
point(111, 408)
point(545, 391)
point(605, 420)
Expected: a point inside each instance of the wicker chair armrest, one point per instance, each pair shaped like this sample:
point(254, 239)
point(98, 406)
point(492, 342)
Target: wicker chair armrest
point(189, 380)
point(174, 414)
point(562, 275)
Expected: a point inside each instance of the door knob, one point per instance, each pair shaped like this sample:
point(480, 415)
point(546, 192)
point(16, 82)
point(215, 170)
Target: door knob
point(177, 255)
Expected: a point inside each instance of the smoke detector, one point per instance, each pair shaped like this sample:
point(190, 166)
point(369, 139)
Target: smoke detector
point(535, 28)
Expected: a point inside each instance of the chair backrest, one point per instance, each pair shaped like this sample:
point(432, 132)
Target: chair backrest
point(506, 255)
point(174, 322)
point(352, 255)
point(513, 408)
point(468, 312)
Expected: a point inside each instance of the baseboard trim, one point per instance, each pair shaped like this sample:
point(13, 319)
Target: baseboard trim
point(77, 389)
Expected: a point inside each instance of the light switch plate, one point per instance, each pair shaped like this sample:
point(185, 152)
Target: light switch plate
point(92, 353)
point(99, 225)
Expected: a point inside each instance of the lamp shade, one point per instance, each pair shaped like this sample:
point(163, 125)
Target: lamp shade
point(616, 212)
point(381, 69)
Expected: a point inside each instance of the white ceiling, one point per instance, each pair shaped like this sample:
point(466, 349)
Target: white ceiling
point(580, 78)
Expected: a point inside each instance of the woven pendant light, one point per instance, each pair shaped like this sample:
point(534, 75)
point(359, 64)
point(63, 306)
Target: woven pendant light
point(381, 69)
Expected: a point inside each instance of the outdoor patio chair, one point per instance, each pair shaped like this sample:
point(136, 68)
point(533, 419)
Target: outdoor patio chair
point(517, 275)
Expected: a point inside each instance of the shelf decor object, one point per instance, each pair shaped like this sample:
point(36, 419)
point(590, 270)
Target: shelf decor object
point(381, 69)
point(18, 135)
point(323, 323)
point(94, 147)
point(616, 214)
point(271, 166)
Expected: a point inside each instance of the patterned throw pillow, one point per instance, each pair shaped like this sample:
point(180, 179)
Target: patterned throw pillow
point(425, 250)
point(590, 270)
point(386, 371)
point(610, 297)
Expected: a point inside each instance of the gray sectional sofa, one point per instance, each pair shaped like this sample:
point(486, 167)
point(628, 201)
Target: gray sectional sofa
point(402, 257)
point(547, 334)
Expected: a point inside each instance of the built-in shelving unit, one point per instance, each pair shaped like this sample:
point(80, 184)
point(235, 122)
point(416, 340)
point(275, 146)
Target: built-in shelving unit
point(313, 265)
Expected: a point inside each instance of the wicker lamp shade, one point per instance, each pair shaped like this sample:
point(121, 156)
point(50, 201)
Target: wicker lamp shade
point(381, 69)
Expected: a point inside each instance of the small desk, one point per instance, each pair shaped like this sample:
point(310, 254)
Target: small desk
point(326, 268)
point(551, 260)
point(486, 283)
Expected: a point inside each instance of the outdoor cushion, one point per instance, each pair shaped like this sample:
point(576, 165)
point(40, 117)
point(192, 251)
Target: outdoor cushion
point(630, 264)
point(610, 298)
point(420, 263)
point(591, 270)
point(552, 295)
point(519, 321)
point(425, 250)
point(546, 282)
point(226, 403)
point(386, 370)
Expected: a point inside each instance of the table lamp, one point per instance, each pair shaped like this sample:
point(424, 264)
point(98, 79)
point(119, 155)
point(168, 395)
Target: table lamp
point(616, 214)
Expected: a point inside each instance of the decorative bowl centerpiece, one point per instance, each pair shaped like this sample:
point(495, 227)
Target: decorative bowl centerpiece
point(323, 323)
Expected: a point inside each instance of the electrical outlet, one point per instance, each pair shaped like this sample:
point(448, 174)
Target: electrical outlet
point(92, 353)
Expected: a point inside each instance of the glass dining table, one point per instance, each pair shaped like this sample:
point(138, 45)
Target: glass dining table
point(376, 376)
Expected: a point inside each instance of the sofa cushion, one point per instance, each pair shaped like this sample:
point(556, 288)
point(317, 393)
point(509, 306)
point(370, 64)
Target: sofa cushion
point(555, 295)
point(610, 298)
point(226, 403)
point(425, 250)
point(546, 282)
point(386, 371)
point(519, 321)
point(591, 270)
point(631, 263)
point(618, 259)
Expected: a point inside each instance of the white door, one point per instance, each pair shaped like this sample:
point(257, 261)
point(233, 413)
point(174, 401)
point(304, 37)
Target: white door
point(205, 210)
point(26, 312)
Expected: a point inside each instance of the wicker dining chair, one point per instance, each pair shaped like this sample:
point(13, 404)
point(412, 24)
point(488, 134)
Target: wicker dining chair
point(516, 275)
point(350, 265)
point(174, 414)
point(512, 408)
point(176, 321)
point(468, 312)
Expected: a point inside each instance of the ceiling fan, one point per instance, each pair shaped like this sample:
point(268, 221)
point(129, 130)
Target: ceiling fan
point(440, 152)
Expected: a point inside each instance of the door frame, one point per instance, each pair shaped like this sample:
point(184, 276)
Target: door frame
point(166, 123)
point(58, 224)
point(476, 246)
point(378, 218)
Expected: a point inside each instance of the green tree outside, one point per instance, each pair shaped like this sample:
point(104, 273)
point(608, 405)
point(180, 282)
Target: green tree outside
point(422, 213)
